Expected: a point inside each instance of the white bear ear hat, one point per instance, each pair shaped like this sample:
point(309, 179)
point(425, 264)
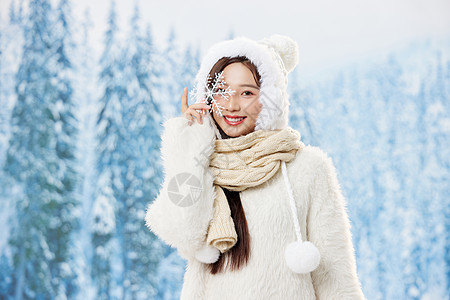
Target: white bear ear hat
point(274, 57)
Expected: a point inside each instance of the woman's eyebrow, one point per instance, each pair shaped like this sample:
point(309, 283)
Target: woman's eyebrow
point(242, 85)
point(245, 85)
point(249, 85)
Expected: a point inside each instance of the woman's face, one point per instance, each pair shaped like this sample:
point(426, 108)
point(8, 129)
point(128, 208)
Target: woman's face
point(241, 109)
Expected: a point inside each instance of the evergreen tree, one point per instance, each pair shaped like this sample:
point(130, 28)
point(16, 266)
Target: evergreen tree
point(170, 80)
point(138, 157)
point(15, 14)
point(11, 45)
point(301, 112)
point(12, 11)
point(85, 93)
point(9, 49)
point(66, 137)
point(108, 165)
point(4, 93)
point(189, 67)
point(435, 163)
point(40, 157)
point(5, 277)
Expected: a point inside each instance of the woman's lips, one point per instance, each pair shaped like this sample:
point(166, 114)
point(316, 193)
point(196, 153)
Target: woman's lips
point(233, 123)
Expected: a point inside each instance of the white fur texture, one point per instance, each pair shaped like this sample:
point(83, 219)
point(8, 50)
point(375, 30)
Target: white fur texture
point(208, 254)
point(286, 48)
point(302, 257)
point(321, 212)
point(184, 149)
point(274, 58)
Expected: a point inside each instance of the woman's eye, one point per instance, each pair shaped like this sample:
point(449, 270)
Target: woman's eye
point(248, 93)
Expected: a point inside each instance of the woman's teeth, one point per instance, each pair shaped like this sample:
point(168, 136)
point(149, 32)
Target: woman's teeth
point(234, 119)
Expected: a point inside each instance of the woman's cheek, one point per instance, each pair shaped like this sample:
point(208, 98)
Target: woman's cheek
point(254, 107)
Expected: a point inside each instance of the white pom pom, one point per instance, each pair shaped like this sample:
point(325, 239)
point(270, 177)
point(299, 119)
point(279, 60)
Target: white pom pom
point(302, 257)
point(287, 48)
point(208, 254)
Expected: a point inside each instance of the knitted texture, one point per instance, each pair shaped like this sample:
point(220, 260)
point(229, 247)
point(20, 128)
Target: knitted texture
point(243, 162)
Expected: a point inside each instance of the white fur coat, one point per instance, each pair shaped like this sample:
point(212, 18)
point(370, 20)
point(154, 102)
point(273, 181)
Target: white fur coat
point(321, 211)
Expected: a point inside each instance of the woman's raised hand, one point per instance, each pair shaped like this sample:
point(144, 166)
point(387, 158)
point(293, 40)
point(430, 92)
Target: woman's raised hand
point(191, 111)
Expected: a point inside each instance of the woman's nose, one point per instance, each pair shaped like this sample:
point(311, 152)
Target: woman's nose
point(233, 103)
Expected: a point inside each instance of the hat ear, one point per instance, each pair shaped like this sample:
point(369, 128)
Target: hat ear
point(287, 48)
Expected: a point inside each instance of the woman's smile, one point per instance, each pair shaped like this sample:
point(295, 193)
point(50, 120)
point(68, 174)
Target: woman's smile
point(234, 120)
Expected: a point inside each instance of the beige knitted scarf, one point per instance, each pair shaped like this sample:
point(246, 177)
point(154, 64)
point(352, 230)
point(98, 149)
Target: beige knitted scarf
point(240, 163)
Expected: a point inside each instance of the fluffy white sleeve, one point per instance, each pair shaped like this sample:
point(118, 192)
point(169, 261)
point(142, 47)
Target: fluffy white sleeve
point(329, 229)
point(185, 151)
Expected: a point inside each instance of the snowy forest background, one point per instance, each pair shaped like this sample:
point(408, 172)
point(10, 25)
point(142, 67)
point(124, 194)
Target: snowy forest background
point(79, 150)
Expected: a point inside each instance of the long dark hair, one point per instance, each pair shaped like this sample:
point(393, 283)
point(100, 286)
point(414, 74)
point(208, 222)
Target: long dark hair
point(239, 254)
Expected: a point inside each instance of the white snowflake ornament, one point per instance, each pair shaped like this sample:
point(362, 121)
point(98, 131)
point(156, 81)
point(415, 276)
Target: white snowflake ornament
point(214, 91)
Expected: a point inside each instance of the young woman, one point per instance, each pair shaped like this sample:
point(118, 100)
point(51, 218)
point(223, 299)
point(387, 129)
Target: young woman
point(263, 216)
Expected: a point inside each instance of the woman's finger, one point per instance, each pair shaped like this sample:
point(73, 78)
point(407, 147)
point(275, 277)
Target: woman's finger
point(188, 116)
point(200, 106)
point(196, 114)
point(184, 100)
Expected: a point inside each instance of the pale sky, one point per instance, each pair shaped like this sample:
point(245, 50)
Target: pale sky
point(328, 32)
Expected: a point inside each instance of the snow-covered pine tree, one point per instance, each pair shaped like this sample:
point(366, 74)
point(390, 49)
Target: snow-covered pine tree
point(384, 79)
point(170, 80)
point(15, 14)
point(67, 139)
point(357, 179)
point(40, 158)
point(11, 44)
point(301, 114)
point(85, 93)
point(393, 169)
point(432, 184)
point(5, 91)
point(109, 129)
point(10, 53)
point(445, 155)
point(12, 11)
point(399, 211)
point(189, 67)
point(170, 281)
point(138, 158)
point(5, 277)
point(5, 265)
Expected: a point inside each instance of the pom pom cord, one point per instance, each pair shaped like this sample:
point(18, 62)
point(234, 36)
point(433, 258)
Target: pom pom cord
point(292, 201)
